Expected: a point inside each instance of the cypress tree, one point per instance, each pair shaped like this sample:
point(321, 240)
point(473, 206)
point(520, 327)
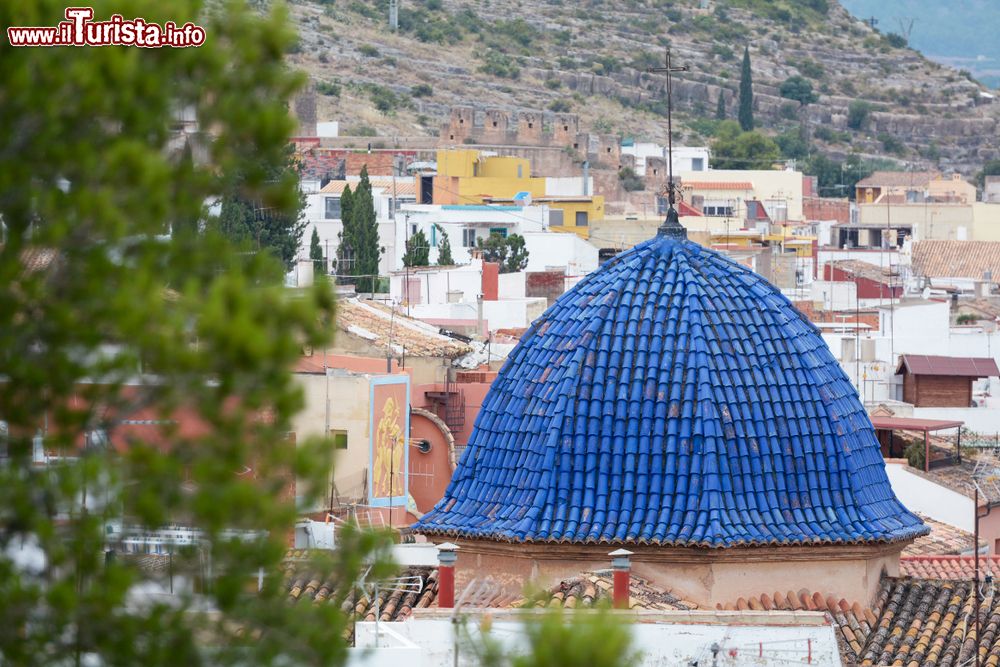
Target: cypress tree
point(746, 93)
point(720, 107)
point(363, 238)
point(418, 250)
point(444, 249)
point(345, 265)
point(316, 253)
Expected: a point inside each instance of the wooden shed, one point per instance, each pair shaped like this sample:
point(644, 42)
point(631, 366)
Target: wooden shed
point(942, 382)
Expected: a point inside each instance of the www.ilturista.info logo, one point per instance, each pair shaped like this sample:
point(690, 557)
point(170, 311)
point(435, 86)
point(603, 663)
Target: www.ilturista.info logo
point(79, 29)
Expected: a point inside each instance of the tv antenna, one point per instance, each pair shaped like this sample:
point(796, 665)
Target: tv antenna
point(403, 585)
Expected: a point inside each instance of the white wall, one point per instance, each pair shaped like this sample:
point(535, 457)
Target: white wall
point(921, 495)
point(568, 186)
point(683, 157)
point(434, 284)
point(547, 250)
point(663, 638)
point(453, 219)
point(834, 295)
point(512, 285)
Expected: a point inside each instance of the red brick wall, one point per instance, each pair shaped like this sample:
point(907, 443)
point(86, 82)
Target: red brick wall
point(826, 208)
point(807, 309)
point(549, 284)
point(867, 289)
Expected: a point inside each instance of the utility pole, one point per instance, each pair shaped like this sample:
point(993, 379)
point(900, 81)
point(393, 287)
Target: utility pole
point(906, 26)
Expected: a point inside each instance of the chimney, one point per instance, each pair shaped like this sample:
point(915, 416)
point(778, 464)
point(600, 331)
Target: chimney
point(446, 574)
point(622, 565)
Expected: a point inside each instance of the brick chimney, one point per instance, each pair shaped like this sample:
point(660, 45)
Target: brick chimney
point(622, 565)
point(446, 575)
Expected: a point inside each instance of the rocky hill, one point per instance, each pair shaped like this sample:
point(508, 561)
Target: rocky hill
point(590, 57)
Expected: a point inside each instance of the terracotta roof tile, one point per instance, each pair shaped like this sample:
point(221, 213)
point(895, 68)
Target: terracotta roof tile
point(385, 329)
point(404, 188)
point(898, 179)
point(948, 567)
point(867, 270)
point(303, 586)
point(717, 185)
point(956, 259)
point(592, 588)
point(943, 540)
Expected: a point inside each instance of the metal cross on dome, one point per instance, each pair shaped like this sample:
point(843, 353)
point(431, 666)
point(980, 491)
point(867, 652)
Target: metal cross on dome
point(672, 225)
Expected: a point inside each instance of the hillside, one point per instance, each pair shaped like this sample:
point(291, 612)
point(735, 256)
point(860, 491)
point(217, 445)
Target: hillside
point(961, 33)
point(581, 57)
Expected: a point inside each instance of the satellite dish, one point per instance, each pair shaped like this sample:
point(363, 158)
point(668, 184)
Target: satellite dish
point(926, 294)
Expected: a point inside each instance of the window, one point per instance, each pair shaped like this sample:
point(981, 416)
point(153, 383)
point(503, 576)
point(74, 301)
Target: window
point(718, 208)
point(501, 231)
point(519, 172)
point(555, 217)
point(468, 238)
point(697, 164)
point(413, 229)
point(332, 208)
point(392, 208)
point(581, 219)
point(434, 236)
point(339, 438)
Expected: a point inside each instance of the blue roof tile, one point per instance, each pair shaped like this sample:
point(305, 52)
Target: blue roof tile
point(677, 398)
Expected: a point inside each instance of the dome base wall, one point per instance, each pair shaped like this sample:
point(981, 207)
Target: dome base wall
point(706, 577)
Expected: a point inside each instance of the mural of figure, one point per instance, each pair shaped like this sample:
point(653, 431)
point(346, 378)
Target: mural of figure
point(387, 473)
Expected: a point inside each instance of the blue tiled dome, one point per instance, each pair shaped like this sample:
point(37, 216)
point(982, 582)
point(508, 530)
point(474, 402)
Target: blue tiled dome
point(676, 398)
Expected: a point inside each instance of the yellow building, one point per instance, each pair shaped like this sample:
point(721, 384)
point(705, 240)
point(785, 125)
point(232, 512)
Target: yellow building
point(468, 176)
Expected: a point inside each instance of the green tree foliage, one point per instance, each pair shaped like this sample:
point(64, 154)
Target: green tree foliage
point(360, 241)
point(746, 93)
point(733, 149)
point(630, 180)
point(720, 106)
point(838, 179)
point(142, 309)
point(895, 40)
point(558, 638)
point(794, 143)
point(858, 113)
point(418, 250)
point(316, 253)
point(246, 219)
point(444, 248)
point(798, 88)
point(991, 168)
point(509, 252)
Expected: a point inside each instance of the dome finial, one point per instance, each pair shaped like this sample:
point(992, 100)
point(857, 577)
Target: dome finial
point(671, 227)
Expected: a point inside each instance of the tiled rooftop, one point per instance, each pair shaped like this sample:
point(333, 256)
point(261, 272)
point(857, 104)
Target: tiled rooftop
point(943, 540)
point(672, 397)
point(956, 259)
point(403, 187)
point(393, 605)
point(384, 329)
point(592, 588)
point(920, 179)
point(948, 567)
point(868, 270)
point(914, 622)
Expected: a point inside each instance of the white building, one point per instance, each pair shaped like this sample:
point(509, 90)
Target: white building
point(686, 158)
point(465, 225)
point(323, 213)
